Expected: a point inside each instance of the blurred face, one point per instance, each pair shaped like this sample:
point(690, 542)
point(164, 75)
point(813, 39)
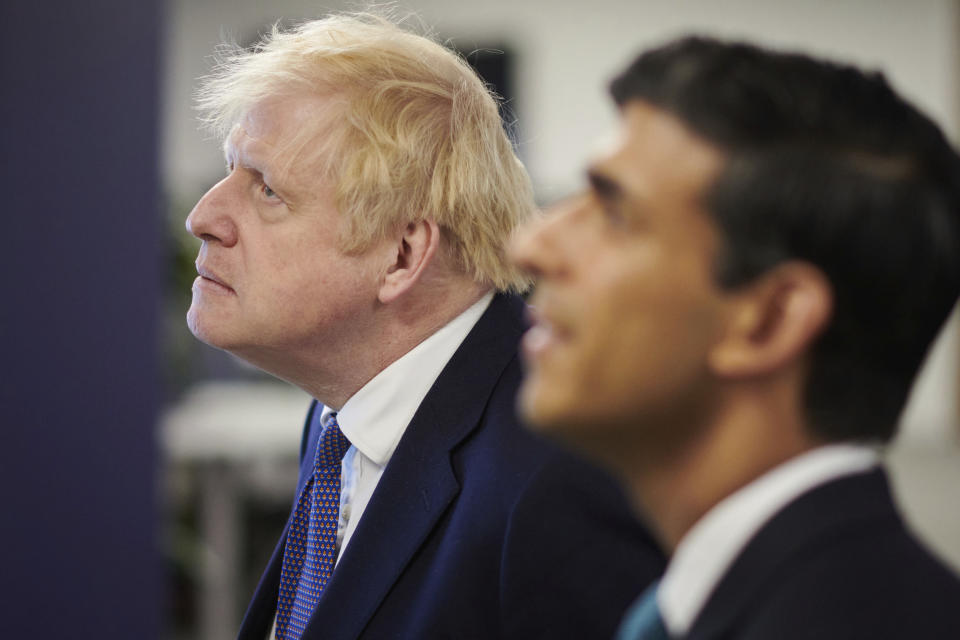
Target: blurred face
point(272, 280)
point(625, 308)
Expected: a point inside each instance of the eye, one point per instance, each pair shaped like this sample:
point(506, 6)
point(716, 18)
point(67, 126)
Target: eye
point(611, 211)
point(269, 193)
point(613, 214)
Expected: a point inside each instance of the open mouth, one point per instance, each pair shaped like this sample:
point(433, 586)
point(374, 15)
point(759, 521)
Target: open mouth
point(542, 334)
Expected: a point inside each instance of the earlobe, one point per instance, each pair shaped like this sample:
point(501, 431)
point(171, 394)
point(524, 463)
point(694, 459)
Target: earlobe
point(414, 251)
point(775, 323)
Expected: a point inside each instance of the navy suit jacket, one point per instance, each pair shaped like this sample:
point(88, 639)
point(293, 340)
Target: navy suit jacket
point(478, 529)
point(837, 563)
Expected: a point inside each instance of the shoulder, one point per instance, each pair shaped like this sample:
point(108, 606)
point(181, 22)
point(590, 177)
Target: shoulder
point(881, 585)
point(837, 563)
point(574, 555)
point(572, 545)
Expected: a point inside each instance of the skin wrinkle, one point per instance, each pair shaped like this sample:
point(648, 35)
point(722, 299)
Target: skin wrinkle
point(391, 158)
point(302, 305)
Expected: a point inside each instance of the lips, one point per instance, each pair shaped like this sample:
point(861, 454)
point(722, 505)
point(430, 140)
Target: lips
point(541, 335)
point(537, 339)
point(210, 275)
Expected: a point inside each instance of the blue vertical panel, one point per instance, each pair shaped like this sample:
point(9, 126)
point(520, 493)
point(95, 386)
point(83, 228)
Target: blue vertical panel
point(79, 269)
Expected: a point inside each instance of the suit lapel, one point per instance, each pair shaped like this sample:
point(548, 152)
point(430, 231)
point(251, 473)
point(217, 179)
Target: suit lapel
point(263, 607)
point(260, 613)
point(419, 483)
point(415, 489)
point(853, 501)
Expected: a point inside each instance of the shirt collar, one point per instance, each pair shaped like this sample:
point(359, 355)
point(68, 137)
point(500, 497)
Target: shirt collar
point(375, 417)
point(709, 548)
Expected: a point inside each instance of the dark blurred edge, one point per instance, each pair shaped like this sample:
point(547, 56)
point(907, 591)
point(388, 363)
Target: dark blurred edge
point(78, 318)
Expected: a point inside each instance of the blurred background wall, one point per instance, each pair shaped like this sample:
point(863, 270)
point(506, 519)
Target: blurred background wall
point(231, 435)
point(80, 276)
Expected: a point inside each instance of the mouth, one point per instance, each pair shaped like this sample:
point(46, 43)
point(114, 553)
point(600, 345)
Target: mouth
point(542, 335)
point(211, 280)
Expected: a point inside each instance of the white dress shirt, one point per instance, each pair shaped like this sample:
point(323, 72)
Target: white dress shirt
point(710, 547)
point(375, 417)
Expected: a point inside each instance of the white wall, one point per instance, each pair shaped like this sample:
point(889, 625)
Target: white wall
point(567, 51)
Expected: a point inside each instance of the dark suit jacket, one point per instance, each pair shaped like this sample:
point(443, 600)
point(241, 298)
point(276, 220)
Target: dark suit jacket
point(837, 563)
point(478, 529)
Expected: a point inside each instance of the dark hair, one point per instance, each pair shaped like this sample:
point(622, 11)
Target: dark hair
point(825, 164)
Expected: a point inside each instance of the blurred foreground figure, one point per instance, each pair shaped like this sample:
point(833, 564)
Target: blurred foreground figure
point(356, 248)
point(731, 316)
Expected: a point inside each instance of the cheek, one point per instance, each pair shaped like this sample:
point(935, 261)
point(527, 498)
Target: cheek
point(318, 286)
point(646, 345)
point(291, 272)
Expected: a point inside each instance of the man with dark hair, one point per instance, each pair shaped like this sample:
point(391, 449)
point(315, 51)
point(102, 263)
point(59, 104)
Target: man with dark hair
point(731, 317)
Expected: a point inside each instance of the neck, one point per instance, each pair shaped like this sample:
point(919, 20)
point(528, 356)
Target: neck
point(677, 488)
point(334, 373)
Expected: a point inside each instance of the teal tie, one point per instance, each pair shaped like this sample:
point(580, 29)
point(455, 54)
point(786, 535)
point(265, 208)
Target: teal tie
point(642, 620)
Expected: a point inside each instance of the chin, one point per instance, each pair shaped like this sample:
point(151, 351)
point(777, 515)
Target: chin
point(529, 407)
point(545, 411)
point(570, 424)
point(204, 332)
point(193, 323)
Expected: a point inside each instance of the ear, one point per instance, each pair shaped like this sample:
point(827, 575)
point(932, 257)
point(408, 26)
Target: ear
point(415, 249)
point(774, 321)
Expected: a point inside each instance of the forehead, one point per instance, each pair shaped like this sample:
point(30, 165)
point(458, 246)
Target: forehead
point(282, 132)
point(655, 155)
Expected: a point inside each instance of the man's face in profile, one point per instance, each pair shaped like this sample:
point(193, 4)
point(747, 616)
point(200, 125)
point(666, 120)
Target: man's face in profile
point(273, 280)
point(625, 307)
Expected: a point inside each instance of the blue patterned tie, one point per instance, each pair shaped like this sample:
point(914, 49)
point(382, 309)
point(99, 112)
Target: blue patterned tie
point(309, 554)
point(642, 620)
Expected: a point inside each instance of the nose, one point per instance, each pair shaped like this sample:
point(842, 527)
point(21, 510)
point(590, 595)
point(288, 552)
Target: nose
point(212, 219)
point(538, 248)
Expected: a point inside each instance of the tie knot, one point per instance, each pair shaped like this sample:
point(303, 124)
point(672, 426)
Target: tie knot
point(332, 444)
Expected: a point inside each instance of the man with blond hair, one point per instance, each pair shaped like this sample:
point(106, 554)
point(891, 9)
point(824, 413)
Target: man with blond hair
point(356, 249)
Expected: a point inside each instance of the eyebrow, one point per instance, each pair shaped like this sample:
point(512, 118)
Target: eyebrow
point(605, 187)
point(232, 156)
point(229, 154)
point(231, 151)
point(228, 147)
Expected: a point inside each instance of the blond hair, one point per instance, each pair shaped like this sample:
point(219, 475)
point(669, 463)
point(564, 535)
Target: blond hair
point(419, 136)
